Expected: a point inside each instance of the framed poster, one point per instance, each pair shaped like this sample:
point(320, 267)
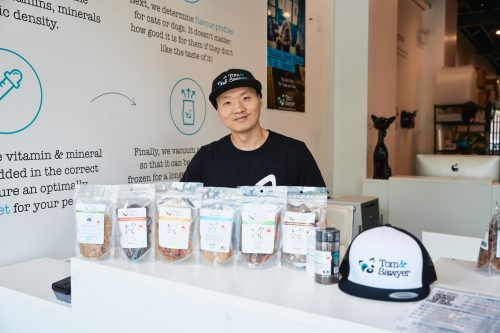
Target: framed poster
point(286, 55)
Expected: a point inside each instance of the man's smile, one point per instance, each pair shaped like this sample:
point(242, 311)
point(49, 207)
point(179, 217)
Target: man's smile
point(241, 118)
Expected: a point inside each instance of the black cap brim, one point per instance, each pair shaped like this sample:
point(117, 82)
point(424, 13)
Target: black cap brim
point(393, 295)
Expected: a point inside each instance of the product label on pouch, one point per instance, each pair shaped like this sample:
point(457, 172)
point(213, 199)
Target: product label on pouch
point(216, 226)
point(296, 228)
point(133, 227)
point(258, 228)
point(174, 226)
point(90, 223)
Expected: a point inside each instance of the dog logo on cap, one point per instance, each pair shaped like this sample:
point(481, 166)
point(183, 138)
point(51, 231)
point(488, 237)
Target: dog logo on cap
point(223, 81)
point(367, 267)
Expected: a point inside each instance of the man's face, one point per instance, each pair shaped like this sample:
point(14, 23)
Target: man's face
point(239, 109)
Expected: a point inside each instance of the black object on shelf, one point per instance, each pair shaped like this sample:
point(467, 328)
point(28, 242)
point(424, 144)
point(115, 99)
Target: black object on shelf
point(381, 168)
point(461, 129)
point(62, 289)
point(407, 119)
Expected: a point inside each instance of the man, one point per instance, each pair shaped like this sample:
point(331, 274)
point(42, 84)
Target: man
point(251, 154)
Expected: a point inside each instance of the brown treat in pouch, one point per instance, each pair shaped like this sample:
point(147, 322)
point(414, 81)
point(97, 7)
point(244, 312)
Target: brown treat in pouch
point(257, 258)
point(495, 261)
point(260, 258)
point(137, 253)
point(217, 258)
point(174, 254)
point(98, 250)
point(171, 250)
point(488, 256)
point(297, 260)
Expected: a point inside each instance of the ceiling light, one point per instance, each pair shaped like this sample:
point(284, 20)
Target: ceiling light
point(497, 32)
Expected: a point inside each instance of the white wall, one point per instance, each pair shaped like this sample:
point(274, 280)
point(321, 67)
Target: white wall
point(382, 86)
point(409, 64)
point(79, 60)
point(350, 95)
point(344, 86)
point(432, 60)
point(395, 72)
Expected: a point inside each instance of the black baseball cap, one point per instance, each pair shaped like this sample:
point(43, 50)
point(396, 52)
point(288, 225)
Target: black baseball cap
point(389, 264)
point(230, 79)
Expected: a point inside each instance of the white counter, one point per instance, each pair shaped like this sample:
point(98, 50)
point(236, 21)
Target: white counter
point(462, 275)
point(27, 302)
point(113, 296)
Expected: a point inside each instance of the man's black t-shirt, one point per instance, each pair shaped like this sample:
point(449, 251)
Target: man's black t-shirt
point(279, 161)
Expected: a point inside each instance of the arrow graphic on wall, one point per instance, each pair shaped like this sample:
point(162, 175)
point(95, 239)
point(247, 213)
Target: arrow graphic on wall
point(116, 93)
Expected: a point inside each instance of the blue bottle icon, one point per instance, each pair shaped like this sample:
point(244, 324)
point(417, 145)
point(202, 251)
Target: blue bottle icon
point(10, 81)
point(188, 111)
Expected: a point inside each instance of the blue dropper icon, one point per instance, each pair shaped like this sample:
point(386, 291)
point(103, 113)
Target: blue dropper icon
point(11, 80)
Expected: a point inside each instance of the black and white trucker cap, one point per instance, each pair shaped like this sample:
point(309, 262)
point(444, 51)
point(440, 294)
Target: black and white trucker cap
point(387, 263)
point(230, 79)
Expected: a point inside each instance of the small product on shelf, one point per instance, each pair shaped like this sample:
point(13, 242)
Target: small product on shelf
point(261, 215)
point(219, 222)
point(305, 210)
point(488, 260)
point(460, 129)
point(327, 255)
point(134, 221)
point(94, 212)
point(178, 207)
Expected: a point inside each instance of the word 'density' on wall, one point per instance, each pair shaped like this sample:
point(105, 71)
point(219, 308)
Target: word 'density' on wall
point(49, 14)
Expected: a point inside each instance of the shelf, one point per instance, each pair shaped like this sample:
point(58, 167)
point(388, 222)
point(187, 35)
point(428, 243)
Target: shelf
point(450, 130)
point(447, 151)
point(455, 151)
point(460, 123)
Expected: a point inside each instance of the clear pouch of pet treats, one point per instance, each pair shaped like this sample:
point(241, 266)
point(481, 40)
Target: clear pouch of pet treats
point(219, 221)
point(178, 207)
point(488, 260)
point(261, 212)
point(135, 215)
point(94, 214)
point(305, 210)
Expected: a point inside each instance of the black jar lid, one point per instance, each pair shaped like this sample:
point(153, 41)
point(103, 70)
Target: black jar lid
point(327, 235)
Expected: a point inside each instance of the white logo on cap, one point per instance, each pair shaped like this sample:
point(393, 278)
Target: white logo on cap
point(232, 78)
point(221, 83)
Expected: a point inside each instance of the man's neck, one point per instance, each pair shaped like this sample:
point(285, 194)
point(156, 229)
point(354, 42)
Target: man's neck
point(251, 140)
